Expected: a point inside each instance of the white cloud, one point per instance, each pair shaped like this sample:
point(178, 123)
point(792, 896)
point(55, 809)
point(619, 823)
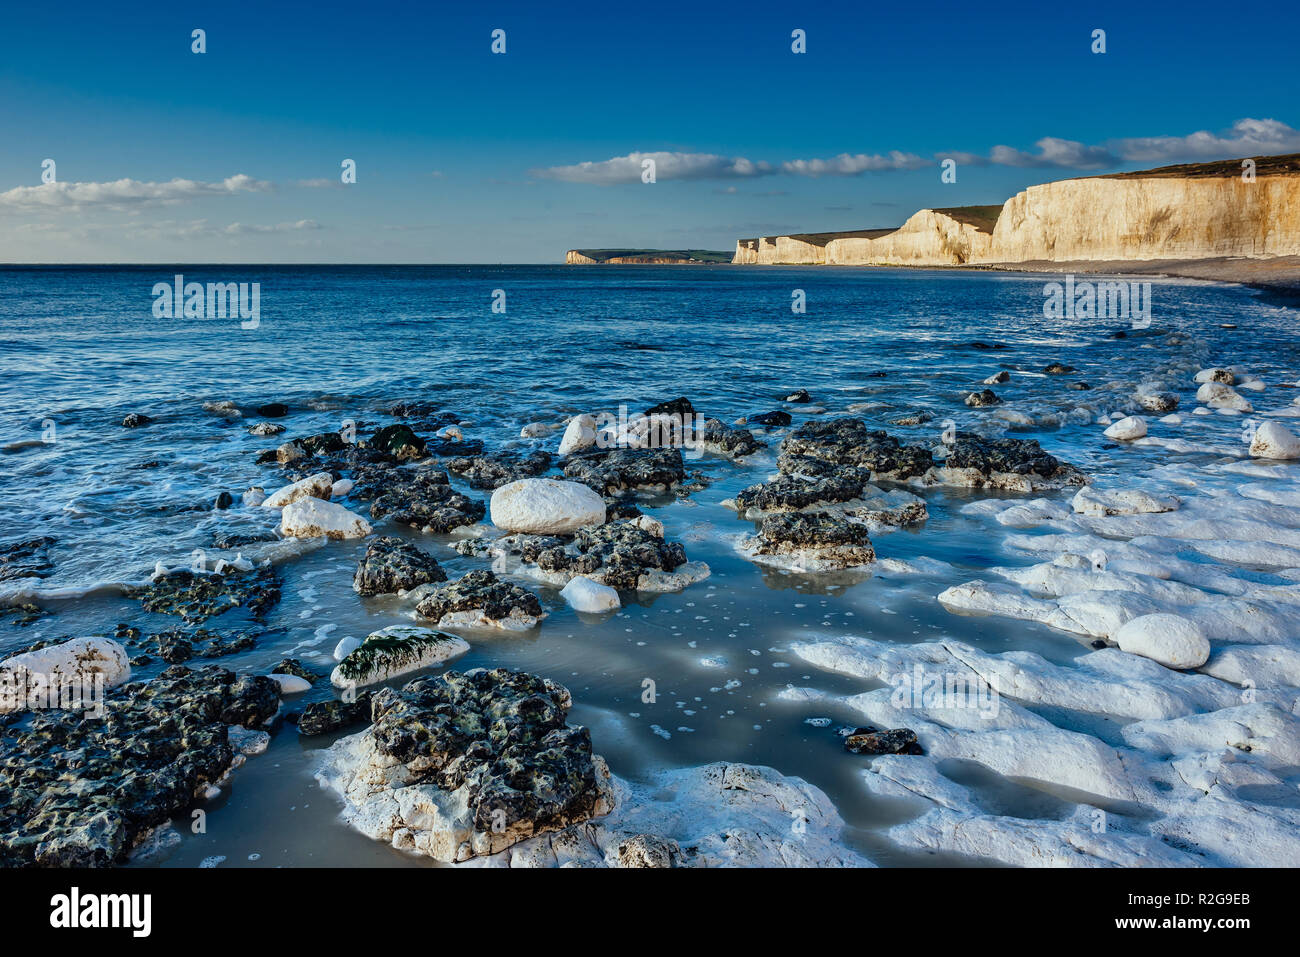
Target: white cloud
point(853, 164)
point(124, 193)
point(236, 228)
point(1247, 137)
point(668, 165)
point(1057, 153)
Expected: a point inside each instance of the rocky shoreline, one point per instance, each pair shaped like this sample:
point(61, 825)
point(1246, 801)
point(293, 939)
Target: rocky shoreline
point(1183, 601)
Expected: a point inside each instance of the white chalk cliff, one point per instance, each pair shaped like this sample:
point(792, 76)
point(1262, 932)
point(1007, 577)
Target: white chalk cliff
point(1205, 210)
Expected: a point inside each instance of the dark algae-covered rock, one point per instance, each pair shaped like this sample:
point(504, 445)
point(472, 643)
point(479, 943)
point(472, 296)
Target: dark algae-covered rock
point(26, 559)
point(983, 398)
point(1019, 456)
point(776, 419)
point(613, 471)
point(786, 493)
point(848, 442)
point(681, 407)
point(871, 741)
point(422, 498)
point(391, 565)
point(311, 446)
point(22, 614)
point(814, 529)
point(617, 554)
point(399, 441)
point(723, 440)
point(175, 645)
point(133, 420)
point(322, 717)
point(493, 471)
point(480, 598)
point(80, 791)
point(469, 764)
point(624, 553)
point(198, 596)
point(814, 541)
point(292, 666)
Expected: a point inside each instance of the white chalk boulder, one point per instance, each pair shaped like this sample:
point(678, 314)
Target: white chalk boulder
point(1275, 441)
point(1128, 428)
point(75, 672)
point(345, 647)
point(1125, 501)
point(320, 485)
point(583, 594)
point(546, 507)
point(291, 684)
point(314, 517)
point(1219, 396)
point(579, 434)
point(1225, 376)
point(1172, 640)
point(395, 650)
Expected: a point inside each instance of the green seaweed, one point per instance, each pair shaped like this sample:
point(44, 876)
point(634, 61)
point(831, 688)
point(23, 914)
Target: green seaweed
point(392, 651)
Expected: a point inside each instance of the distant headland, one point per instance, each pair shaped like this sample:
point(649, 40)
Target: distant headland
point(640, 257)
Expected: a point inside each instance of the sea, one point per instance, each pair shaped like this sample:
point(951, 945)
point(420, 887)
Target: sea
point(499, 347)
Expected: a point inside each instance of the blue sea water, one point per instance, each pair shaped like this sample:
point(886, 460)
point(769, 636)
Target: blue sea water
point(80, 348)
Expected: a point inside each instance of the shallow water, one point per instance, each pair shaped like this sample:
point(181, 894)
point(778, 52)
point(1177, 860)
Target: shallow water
point(79, 349)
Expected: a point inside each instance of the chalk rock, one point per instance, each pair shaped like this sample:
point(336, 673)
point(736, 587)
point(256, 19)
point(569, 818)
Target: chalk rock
point(1219, 396)
point(1172, 640)
point(1128, 501)
point(1128, 428)
point(580, 434)
point(1223, 376)
point(583, 594)
point(291, 684)
point(1157, 401)
point(546, 507)
point(75, 670)
point(314, 517)
point(466, 765)
point(345, 647)
point(1275, 441)
point(395, 650)
point(320, 485)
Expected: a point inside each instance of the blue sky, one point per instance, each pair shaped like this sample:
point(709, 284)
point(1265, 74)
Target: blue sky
point(234, 155)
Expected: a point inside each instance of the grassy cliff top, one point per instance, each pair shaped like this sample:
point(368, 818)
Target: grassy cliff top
point(1287, 164)
point(983, 218)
